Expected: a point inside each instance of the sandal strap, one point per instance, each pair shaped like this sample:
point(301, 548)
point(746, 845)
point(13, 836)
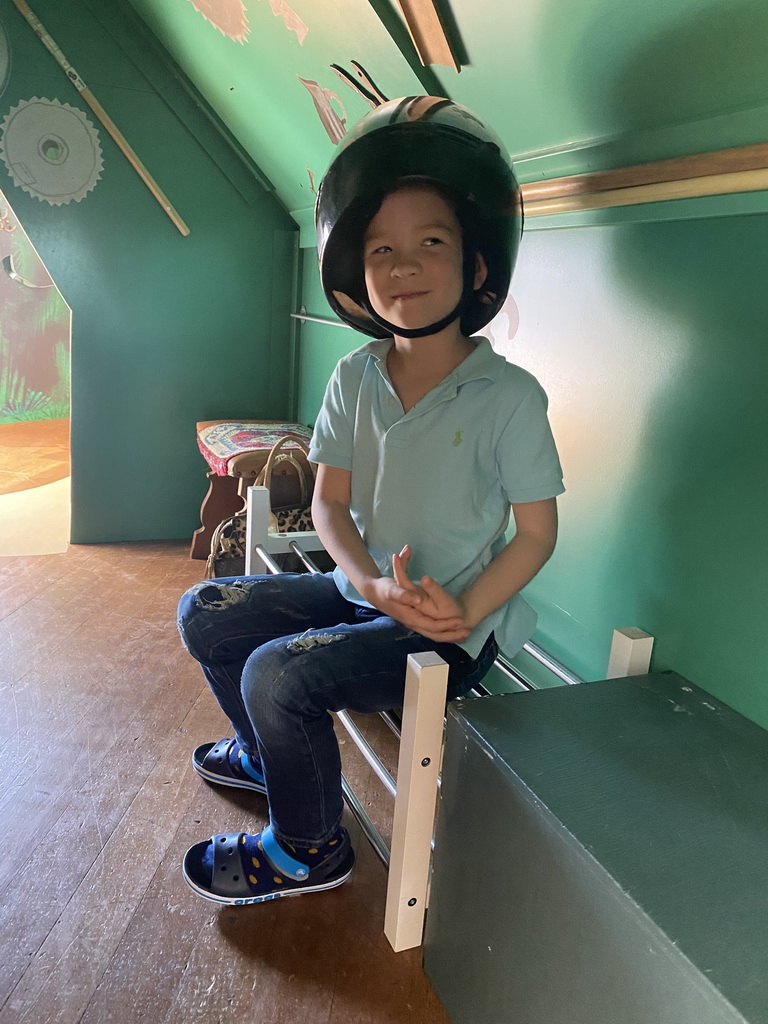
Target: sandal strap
point(229, 874)
point(216, 761)
point(280, 858)
point(249, 767)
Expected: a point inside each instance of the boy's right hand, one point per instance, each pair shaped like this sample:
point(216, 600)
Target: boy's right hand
point(402, 604)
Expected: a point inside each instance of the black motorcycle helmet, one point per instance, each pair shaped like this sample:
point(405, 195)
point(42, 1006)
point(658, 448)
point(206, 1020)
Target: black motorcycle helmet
point(436, 142)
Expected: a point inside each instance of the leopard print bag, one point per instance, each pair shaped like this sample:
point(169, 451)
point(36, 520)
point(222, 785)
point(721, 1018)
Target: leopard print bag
point(228, 544)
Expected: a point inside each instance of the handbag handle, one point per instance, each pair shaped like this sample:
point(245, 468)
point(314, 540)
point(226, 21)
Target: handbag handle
point(275, 456)
point(285, 457)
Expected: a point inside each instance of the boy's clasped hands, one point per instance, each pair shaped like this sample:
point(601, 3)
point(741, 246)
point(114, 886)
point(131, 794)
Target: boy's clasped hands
point(426, 607)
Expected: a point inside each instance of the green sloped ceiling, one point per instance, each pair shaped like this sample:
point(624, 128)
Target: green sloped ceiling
point(255, 85)
point(568, 84)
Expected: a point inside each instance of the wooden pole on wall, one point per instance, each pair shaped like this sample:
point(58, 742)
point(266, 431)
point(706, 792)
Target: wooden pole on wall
point(100, 113)
point(721, 172)
point(719, 161)
point(690, 188)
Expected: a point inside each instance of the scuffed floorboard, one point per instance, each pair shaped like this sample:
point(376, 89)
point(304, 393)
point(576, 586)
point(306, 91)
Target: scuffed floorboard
point(100, 709)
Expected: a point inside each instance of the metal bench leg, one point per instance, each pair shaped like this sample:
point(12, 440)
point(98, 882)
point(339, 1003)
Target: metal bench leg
point(421, 742)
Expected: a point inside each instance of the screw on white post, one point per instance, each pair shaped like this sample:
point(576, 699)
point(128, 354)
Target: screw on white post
point(630, 653)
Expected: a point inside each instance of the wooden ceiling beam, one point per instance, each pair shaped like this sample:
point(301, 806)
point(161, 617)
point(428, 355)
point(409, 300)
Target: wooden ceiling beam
point(427, 33)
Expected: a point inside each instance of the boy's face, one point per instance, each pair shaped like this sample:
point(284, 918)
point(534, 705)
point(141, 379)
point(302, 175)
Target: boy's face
point(412, 255)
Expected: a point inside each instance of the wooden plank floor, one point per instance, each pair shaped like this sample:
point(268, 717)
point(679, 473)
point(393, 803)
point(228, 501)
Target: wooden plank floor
point(100, 708)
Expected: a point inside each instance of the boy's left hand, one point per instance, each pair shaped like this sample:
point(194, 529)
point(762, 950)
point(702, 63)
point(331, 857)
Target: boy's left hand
point(435, 602)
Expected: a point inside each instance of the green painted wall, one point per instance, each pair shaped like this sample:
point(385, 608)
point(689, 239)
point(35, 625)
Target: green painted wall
point(166, 329)
point(646, 325)
point(319, 346)
point(650, 341)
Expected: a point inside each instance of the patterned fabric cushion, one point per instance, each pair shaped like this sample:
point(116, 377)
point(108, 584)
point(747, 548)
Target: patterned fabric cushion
point(220, 441)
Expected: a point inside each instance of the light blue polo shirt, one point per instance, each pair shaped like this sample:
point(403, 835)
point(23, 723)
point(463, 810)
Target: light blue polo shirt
point(440, 477)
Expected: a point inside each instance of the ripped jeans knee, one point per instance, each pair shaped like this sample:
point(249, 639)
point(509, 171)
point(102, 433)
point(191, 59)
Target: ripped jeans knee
point(226, 619)
point(214, 596)
point(309, 640)
point(213, 613)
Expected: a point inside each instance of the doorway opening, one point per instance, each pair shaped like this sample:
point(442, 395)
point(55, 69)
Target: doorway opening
point(35, 333)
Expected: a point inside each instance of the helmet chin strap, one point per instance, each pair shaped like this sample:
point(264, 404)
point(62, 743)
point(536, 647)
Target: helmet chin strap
point(415, 332)
point(424, 332)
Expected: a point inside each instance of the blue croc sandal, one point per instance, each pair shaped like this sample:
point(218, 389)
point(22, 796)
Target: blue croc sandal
point(225, 764)
point(252, 869)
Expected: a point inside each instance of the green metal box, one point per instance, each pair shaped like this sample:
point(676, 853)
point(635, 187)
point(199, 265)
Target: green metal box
point(601, 857)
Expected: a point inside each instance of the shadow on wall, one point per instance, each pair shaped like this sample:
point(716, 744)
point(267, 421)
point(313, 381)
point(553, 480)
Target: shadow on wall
point(688, 533)
point(706, 62)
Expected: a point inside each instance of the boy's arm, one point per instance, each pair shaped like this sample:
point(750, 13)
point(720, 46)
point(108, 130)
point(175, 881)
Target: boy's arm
point(334, 524)
point(515, 566)
point(342, 540)
point(508, 573)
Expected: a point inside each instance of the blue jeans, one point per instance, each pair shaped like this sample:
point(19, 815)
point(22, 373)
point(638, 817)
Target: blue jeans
point(279, 653)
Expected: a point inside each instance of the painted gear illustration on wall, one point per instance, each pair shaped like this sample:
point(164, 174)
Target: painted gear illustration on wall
point(51, 149)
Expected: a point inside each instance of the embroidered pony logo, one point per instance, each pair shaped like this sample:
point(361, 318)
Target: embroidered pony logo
point(457, 440)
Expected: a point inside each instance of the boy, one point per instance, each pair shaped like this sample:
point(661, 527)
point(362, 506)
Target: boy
point(425, 440)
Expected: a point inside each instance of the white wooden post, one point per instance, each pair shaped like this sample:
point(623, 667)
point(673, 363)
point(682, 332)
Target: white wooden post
point(257, 533)
point(421, 743)
point(630, 653)
point(256, 524)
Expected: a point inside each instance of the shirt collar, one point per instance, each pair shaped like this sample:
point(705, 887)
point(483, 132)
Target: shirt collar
point(482, 363)
point(378, 348)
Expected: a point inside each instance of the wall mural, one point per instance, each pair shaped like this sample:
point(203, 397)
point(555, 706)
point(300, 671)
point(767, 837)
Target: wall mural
point(361, 83)
point(334, 124)
point(228, 16)
point(293, 22)
point(34, 331)
point(51, 150)
point(503, 328)
point(231, 19)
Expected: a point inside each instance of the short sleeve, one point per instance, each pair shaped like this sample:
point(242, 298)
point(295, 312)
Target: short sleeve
point(526, 455)
point(331, 443)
